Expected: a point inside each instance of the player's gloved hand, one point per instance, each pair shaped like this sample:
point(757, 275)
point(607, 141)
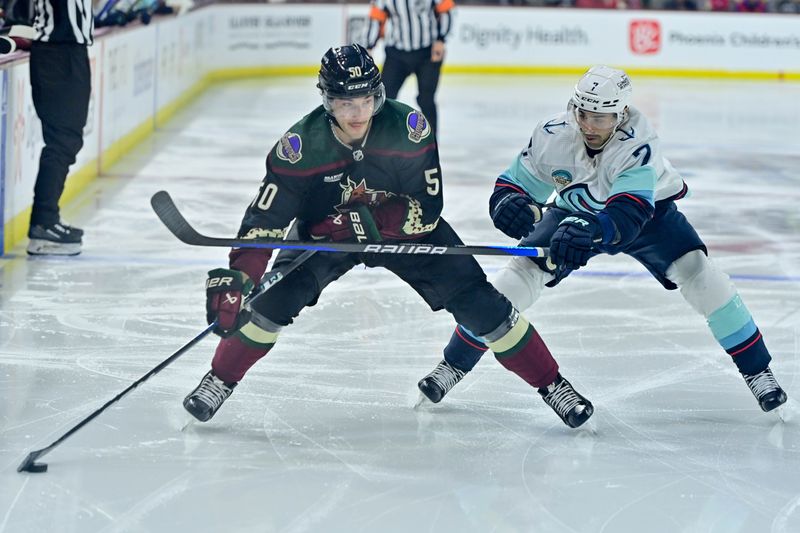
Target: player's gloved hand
point(571, 246)
point(19, 38)
point(354, 223)
point(515, 214)
point(225, 292)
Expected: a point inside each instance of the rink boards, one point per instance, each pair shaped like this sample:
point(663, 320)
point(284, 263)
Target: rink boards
point(142, 74)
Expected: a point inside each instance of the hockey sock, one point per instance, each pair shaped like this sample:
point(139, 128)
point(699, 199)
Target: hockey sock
point(710, 292)
point(522, 351)
point(235, 355)
point(734, 329)
point(464, 350)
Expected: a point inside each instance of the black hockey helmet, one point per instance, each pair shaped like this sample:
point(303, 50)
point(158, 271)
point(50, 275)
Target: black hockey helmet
point(350, 72)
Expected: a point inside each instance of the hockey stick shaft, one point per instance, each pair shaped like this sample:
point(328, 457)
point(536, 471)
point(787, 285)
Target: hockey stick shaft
point(272, 278)
point(168, 213)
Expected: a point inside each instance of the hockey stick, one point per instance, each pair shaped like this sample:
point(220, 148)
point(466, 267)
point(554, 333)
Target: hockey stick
point(30, 464)
point(167, 211)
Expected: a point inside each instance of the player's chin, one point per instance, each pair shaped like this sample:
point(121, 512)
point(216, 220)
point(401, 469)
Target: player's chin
point(357, 129)
point(594, 141)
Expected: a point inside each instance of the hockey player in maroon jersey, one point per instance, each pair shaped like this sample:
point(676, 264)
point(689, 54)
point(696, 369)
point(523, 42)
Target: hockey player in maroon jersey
point(359, 168)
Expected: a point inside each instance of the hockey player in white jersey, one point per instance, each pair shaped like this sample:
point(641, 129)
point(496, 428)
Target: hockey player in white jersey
point(615, 193)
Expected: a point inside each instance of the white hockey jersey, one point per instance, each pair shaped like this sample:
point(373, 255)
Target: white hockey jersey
point(556, 159)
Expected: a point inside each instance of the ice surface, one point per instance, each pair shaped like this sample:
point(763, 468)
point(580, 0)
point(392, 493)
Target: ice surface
point(321, 435)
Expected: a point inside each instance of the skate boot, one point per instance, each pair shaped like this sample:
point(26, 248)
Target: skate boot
point(54, 239)
point(766, 390)
point(439, 382)
point(204, 401)
point(573, 408)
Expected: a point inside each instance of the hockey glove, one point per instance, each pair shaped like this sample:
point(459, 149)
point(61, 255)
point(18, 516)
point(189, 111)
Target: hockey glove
point(18, 38)
point(355, 223)
point(515, 214)
point(572, 243)
point(225, 292)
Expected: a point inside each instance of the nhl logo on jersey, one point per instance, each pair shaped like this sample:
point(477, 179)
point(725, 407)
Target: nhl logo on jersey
point(289, 148)
point(562, 177)
point(418, 127)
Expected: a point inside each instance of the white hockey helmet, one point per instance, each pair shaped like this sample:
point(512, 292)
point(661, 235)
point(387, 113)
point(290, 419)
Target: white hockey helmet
point(603, 90)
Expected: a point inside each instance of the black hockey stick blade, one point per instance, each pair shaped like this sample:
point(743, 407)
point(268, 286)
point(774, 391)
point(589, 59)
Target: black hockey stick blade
point(30, 464)
point(168, 213)
point(269, 279)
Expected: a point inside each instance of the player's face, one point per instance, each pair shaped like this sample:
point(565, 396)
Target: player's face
point(596, 127)
point(353, 115)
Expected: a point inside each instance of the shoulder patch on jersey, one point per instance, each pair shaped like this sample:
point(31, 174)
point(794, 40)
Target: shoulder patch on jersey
point(552, 124)
point(418, 126)
point(562, 177)
point(627, 134)
point(290, 148)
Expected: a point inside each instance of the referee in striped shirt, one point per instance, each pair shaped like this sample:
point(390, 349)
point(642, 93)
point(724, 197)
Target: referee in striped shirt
point(414, 41)
point(61, 86)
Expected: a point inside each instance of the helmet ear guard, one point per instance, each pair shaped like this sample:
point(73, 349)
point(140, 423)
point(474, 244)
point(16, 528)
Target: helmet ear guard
point(350, 72)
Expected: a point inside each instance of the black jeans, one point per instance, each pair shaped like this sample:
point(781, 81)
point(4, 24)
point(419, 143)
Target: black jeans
point(61, 86)
point(400, 65)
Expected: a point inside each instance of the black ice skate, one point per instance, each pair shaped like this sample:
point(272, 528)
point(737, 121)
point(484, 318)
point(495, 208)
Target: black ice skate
point(439, 382)
point(766, 390)
point(54, 239)
point(573, 408)
point(204, 401)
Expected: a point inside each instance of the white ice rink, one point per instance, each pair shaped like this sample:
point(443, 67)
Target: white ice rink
point(321, 435)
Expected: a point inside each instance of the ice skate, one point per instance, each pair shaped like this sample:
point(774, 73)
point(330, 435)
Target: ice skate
point(573, 408)
point(766, 390)
point(204, 401)
point(54, 239)
point(444, 377)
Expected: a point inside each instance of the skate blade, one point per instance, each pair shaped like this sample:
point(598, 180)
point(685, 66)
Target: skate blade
point(786, 412)
point(190, 420)
point(422, 400)
point(589, 427)
point(42, 247)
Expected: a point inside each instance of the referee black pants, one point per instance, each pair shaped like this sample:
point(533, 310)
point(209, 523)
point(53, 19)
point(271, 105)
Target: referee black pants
point(400, 65)
point(61, 86)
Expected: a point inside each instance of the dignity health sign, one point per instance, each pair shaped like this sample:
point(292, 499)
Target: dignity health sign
point(566, 38)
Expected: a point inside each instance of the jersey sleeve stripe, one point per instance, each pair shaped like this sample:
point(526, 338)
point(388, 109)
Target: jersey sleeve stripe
point(406, 155)
point(281, 171)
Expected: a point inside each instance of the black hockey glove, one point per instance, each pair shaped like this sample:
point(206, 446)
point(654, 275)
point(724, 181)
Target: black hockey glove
point(515, 214)
point(225, 292)
point(571, 246)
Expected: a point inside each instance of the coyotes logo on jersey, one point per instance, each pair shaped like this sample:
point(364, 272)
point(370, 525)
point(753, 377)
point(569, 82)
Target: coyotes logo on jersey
point(359, 193)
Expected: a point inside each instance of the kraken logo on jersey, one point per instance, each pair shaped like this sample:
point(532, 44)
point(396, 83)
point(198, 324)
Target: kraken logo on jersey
point(289, 148)
point(418, 127)
point(550, 124)
point(562, 177)
point(579, 198)
point(353, 193)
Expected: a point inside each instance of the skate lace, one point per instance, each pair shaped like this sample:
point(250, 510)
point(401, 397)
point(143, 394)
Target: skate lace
point(213, 392)
point(446, 376)
point(761, 383)
point(563, 399)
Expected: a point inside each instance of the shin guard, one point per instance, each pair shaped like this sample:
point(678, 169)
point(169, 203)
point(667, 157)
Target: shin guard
point(235, 355)
point(522, 351)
